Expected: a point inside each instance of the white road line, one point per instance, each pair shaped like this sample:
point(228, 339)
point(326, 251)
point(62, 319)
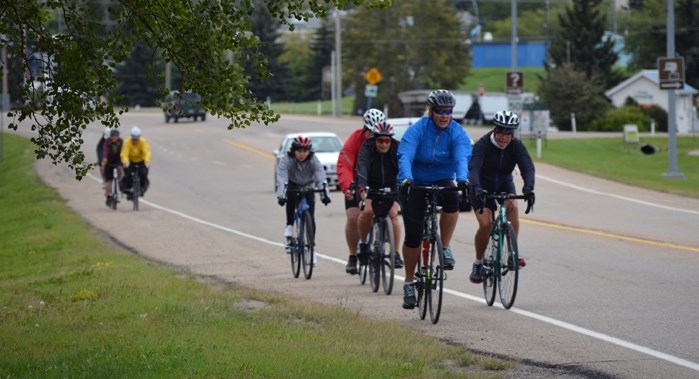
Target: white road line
point(630, 199)
point(562, 324)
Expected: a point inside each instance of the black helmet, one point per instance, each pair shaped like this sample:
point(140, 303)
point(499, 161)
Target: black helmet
point(114, 132)
point(441, 98)
point(506, 120)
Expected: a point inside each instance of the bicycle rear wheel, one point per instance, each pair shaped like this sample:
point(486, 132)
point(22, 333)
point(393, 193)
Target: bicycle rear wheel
point(308, 245)
point(388, 257)
point(424, 275)
point(509, 262)
point(491, 270)
point(437, 279)
point(363, 270)
point(375, 257)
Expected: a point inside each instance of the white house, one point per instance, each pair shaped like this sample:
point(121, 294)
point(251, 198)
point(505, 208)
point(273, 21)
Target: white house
point(644, 87)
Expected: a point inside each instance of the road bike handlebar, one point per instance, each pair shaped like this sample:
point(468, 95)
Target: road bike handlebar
point(502, 196)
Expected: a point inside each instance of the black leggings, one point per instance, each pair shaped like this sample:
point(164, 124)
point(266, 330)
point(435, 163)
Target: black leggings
point(415, 207)
point(293, 199)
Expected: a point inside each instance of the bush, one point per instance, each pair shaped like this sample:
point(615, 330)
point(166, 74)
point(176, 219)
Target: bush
point(615, 119)
point(657, 113)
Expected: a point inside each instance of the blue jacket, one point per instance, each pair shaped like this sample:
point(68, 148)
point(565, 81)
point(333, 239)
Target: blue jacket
point(427, 154)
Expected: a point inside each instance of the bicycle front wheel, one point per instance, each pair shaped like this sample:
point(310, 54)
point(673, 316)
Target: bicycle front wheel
point(388, 257)
point(424, 275)
point(308, 244)
point(509, 262)
point(295, 255)
point(115, 191)
point(136, 188)
point(374, 257)
point(491, 272)
point(437, 279)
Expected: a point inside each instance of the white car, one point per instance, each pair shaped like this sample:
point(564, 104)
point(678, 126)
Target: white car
point(326, 146)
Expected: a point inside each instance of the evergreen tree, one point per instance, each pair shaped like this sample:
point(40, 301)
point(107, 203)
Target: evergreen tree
point(138, 77)
point(581, 42)
point(273, 79)
point(322, 45)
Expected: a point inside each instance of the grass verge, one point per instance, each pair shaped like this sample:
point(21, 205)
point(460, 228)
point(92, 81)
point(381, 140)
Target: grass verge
point(73, 305)
point(610, 158)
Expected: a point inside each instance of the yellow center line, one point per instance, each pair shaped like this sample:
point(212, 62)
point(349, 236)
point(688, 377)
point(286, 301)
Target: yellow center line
point(249, 148)
point(611, 235)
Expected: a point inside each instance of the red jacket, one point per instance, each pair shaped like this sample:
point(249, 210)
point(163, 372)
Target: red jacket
point(347, 161)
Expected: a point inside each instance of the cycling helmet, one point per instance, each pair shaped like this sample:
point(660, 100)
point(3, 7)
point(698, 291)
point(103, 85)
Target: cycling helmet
point(301, 142)
point(114, 132)
point(372, 118)
point(106, 132)
point(384, 129)
point(506, 120)
point(441, 98)
point(136, 132)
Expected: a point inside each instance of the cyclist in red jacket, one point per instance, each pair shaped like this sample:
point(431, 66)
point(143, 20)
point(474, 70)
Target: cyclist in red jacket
point(346, 177)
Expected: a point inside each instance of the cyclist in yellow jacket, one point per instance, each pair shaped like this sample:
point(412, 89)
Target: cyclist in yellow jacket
point(135, 155)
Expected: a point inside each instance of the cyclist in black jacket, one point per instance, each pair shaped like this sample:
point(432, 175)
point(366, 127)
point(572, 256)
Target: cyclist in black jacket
point(490, 170)
point(377, 167)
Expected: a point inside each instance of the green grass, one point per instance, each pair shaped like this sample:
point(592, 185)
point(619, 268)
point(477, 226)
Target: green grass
point(611, 159)
point(494, 79)
point(73, 305)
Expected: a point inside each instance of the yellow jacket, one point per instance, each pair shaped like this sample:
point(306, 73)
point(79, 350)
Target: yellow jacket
point(135, 152)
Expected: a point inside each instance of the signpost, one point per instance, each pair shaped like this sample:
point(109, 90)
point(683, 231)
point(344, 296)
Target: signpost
point(671, 72)
point(514, 83)
point(372, 76)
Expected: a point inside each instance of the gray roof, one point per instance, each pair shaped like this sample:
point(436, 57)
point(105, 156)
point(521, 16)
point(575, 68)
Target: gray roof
point(653, 76)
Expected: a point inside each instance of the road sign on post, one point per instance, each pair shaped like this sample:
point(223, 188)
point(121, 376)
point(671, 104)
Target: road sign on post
point(515, 83)
point(671, 73)
point(373, 76)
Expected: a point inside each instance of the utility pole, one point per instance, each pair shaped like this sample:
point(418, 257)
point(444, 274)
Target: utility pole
point(337, 110)
point(672, 171)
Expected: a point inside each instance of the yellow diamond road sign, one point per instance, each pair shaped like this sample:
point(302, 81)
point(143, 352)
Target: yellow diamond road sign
point(373, 76)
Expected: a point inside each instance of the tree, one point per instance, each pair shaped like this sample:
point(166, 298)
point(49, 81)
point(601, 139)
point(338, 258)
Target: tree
point(581, 42)
point(207, 40)
point(567, 90)
point(297, 57)
point(271, 79)
point(322, 45)
point(137, 77)
point(413, 46)
point(646, 39)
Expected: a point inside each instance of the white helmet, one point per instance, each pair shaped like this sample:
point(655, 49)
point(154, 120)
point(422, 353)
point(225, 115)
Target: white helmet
point(106, 133)
point(136, 132)
point(372, 118)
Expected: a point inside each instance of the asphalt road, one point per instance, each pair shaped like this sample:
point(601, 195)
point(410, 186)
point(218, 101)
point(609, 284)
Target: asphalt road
point(609, 289)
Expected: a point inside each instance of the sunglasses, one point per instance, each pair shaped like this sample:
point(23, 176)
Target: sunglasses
point(504, 131)
point(383, 141)
point(442, 111)
point(302, 149)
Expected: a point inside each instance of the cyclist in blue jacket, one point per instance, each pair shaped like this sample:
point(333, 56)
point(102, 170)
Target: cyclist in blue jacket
point(433, 151)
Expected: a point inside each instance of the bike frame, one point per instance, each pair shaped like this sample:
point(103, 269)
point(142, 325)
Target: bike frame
point(376, 238)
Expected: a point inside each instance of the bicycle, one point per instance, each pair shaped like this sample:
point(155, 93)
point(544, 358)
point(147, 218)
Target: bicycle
point(114, 196)
point(430, 277)
point(136, 187)
point(300, 246)
point(381, 265)
point(501, 261)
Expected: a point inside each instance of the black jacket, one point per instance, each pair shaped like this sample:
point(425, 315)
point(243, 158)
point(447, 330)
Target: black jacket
point(491, 168)
point(376, 170)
